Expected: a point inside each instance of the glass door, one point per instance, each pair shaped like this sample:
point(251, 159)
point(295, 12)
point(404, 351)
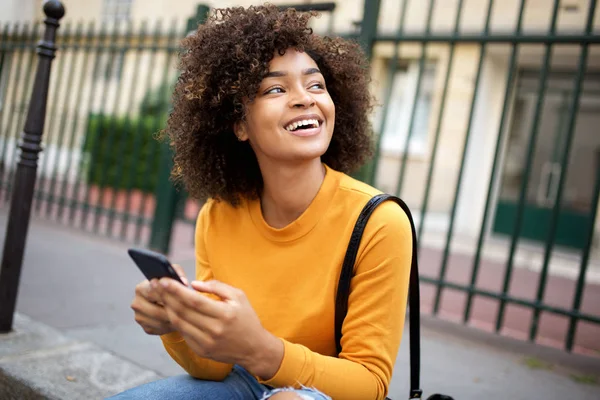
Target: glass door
point(547, 168)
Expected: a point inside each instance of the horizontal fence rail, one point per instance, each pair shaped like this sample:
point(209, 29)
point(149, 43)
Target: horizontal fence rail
point(505, 201)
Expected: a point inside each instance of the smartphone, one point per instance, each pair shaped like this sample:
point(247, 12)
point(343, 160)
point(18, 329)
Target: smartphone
point(153, 265)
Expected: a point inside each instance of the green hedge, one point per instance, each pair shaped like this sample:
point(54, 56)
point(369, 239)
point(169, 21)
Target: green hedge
point(112, 160)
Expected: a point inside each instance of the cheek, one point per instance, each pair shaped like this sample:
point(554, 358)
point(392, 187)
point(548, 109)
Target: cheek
point(266, 117)
point(329, 108)
point(327, 103)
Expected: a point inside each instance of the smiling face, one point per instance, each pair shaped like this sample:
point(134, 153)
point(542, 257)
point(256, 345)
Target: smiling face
point(291, 119)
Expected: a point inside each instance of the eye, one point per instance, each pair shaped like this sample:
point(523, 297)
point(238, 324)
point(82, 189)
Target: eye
point(274, 90)
point(317, 85)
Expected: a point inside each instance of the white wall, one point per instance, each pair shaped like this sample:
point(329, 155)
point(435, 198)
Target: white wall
point(482, 145)
point(18, 10)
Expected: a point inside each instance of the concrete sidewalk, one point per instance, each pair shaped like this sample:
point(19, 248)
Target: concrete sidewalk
point(76, 288)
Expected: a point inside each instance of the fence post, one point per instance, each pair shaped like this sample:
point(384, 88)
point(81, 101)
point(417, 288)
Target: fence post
point(167, 195)
point(25, 176)
point(366, 38)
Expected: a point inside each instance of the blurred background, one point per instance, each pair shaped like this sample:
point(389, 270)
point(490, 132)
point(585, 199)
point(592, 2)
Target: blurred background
point(486, 125)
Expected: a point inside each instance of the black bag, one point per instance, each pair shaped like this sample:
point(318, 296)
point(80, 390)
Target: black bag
point(341, 300)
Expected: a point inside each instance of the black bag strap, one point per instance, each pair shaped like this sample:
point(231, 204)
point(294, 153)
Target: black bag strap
point(341, 300)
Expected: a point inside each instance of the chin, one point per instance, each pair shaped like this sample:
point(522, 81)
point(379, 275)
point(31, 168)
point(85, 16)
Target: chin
point(310, 151)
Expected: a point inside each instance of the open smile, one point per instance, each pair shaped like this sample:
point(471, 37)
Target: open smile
point(304, 126)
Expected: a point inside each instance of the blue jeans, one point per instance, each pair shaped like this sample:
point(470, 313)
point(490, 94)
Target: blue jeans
point(238, 385)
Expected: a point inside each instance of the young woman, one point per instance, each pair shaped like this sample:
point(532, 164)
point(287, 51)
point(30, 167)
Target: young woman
point(268, 118)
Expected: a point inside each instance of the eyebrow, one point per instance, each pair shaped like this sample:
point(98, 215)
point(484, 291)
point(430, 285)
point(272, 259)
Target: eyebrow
point(277, 74)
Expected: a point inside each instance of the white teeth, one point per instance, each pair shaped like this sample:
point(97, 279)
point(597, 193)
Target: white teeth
point(296, 124)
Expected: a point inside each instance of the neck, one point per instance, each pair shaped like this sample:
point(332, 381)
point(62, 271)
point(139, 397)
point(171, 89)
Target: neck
point(289, 190)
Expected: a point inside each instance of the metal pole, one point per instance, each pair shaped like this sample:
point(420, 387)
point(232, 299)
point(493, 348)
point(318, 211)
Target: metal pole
point(20, 210)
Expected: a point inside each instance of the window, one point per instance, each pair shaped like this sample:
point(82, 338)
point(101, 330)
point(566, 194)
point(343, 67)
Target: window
point(111, 63)
point(116, 10)
point(401, 107)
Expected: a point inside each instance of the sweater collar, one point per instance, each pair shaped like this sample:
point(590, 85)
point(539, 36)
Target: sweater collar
point(305, 222)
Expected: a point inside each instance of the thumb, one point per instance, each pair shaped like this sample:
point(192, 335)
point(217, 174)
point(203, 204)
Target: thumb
point(179, 269)
point(218, 288)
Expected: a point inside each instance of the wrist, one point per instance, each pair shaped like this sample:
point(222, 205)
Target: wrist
point(266, 357)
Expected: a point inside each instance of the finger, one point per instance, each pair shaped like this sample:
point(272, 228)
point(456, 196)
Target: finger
point(150, 310)
point(183, 318)
point(180, 271)
point(196, 337)
point(157, 292)
point(152, 294)
point(182, 299)
point(218, 288)
point(151, 325)
point(145, 290)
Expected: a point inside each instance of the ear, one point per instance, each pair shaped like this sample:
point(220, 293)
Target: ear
point(241, 131)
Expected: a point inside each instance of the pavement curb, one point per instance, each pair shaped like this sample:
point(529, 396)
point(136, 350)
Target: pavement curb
point(584, 364)
point(39, 362)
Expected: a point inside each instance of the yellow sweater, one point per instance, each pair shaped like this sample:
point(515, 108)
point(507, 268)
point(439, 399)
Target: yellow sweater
point(290, 276)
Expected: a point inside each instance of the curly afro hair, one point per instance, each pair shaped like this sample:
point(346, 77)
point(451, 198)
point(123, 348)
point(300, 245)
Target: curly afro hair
point(222, 65)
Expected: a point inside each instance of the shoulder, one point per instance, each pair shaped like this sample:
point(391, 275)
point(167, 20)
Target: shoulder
point(217, 213)
point(353, 188)
point(388, 216)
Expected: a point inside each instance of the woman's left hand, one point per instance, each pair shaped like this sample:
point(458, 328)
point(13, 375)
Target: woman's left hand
point(226, 330)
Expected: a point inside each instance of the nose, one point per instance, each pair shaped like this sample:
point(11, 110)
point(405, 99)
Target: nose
point(302, 99)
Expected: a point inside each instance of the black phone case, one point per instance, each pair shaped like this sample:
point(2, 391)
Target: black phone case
point(153, 265)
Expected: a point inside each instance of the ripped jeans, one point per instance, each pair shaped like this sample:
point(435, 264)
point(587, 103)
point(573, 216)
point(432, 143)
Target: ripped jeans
point(238, 385)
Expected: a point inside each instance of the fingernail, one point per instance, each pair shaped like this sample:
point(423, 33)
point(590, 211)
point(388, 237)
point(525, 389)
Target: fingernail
point(164, 283)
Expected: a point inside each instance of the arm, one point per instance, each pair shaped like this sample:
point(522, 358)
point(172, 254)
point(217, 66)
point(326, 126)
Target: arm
point(176, 346)
point(373, 327)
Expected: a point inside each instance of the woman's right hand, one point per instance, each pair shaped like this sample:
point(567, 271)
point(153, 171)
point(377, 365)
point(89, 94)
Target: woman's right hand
point(148, 310)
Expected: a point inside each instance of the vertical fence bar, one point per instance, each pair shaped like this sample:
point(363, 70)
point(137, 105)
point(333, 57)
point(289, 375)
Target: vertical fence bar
point(166, 195)
point(112, 132)
point(366, 39)
point(438, 125)
point(42, 195)
point(76, 46)
point(6, 71)
point(126, 129)
point(61, 124)
point(388, 94)
point(104, 158)
point(129, 172)
point(585, 258)
point(147, 158)
point(528, 164)
point(5, 62)
point(30, 44)
point(415, 103)
point(88, 47)
point(99, 126)
point(442, 274)
point(512, 65)
point(368, 28)
point(574, 109)
point(19, 41)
